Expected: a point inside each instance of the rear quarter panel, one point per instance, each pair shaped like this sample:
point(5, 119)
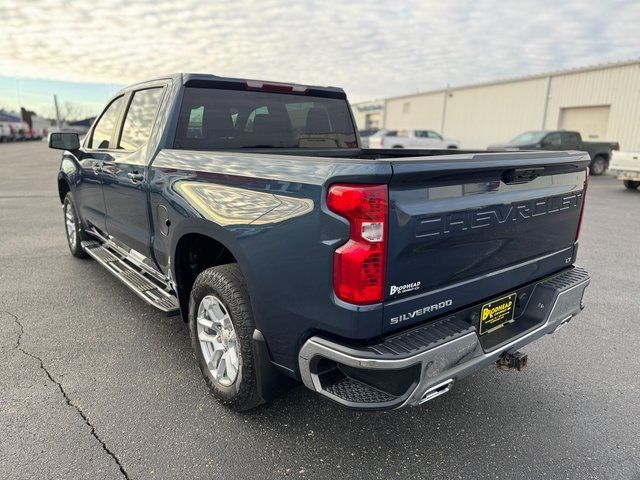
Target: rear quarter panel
point(270, 212)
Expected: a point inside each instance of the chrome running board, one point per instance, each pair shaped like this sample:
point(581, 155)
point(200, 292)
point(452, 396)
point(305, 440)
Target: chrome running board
point(147, 285)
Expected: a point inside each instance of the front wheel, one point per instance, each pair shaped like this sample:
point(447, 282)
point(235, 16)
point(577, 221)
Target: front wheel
point(221, 326)
point(631, 184)
point(598, 166)
point(73, 228)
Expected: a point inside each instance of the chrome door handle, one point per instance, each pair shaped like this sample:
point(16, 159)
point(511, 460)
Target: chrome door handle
point(135, 177)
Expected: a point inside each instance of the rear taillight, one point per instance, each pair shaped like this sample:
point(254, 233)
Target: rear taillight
point(584, 198)
point(359, 265)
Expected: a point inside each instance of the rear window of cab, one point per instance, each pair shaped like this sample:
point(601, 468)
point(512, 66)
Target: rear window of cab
point(218, 119)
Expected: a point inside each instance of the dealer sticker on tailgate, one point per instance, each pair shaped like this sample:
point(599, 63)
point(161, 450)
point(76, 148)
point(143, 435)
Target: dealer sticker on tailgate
point(497, 313)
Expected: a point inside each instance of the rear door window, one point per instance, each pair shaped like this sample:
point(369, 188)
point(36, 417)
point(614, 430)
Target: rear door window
point(214, 119)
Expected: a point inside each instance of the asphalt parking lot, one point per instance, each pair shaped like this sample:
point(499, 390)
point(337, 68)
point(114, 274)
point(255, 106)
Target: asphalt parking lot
point(96, 384)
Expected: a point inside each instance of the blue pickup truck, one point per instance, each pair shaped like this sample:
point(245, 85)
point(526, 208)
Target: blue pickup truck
point(378, 278)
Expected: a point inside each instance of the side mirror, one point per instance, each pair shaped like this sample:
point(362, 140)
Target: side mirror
point(64, 141)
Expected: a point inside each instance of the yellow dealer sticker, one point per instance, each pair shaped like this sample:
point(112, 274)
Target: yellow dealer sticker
point(497, 313)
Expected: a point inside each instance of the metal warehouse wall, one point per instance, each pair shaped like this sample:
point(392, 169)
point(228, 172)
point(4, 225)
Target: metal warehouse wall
point(496, 112)
point(618, 87)
point(424, 112)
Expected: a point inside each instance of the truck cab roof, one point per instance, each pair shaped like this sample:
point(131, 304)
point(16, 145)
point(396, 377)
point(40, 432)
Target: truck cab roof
point(233, 83)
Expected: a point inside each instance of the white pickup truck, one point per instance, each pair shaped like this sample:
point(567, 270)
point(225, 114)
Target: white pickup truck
point(417, 139)
point(626, 167)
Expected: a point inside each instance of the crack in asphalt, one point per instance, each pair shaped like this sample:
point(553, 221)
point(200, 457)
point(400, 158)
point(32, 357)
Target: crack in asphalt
point(67, 399)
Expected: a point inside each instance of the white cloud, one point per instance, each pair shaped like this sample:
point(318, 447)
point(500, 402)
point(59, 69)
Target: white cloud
point(371, 48)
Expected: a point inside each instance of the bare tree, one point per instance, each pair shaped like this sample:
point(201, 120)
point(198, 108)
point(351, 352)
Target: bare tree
point(71, 112)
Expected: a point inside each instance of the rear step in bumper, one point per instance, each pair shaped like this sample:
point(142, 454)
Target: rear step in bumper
point(423, 363)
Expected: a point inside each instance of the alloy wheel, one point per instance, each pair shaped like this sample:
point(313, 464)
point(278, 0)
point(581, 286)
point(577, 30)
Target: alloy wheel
point(70, 223)
point(218, 340)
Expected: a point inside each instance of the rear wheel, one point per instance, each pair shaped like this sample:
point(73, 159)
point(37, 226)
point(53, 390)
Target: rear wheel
point(73, 228)
point(397, 146)
point(221, 326)
point(631, 184)
point(598, 165)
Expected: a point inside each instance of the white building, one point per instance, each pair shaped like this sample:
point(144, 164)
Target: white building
point(369, 115)
point(601, 102)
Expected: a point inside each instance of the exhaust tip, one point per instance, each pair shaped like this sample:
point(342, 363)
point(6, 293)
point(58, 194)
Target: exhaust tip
point(436, 391)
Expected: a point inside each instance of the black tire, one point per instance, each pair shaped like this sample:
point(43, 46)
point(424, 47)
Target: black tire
point(226, 283)
point(452, 147)
point(631, 184)
point(74, 243)
point(598, 166)
point(397, 146)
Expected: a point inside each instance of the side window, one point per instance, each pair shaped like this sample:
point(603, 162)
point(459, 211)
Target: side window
point(139, 120)
point(103, 130)
point(421, 133)
point(435, 135)
point(553, 140)
point(194, 122)
point(570, 140)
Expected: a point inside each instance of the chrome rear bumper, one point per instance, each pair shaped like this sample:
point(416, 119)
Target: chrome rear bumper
point(423, 363)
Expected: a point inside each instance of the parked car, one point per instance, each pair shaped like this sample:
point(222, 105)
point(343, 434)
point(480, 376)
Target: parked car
point(417, 139)
point(364, 136)
point(599, 152)
point(378, 278)
point(5, 133)
point(626, 166)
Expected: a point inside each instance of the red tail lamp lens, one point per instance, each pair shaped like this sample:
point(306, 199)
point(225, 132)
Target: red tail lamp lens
point(359, 265)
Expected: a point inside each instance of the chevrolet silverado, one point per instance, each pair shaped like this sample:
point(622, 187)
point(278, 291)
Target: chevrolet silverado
point(378, 278)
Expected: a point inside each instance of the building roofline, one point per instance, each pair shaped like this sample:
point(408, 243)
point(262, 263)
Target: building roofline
point(553, 73)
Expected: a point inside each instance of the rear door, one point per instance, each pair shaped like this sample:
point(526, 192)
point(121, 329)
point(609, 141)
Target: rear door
point(97, 151)
point(465, 228)
point(125, 175)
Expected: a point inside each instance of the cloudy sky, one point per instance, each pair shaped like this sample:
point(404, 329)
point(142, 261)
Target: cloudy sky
point(371, 48)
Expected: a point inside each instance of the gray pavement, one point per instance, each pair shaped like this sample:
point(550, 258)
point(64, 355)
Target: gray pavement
point(96, 384)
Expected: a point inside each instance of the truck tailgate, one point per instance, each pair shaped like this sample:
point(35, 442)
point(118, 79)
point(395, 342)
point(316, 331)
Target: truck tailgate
point(465, 228)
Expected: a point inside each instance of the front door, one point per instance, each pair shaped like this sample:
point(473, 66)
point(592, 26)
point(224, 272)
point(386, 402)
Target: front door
point(125, 176)
point(92, 157)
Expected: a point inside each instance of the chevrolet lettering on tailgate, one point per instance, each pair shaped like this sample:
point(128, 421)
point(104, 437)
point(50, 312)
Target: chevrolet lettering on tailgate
point(460, 221)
